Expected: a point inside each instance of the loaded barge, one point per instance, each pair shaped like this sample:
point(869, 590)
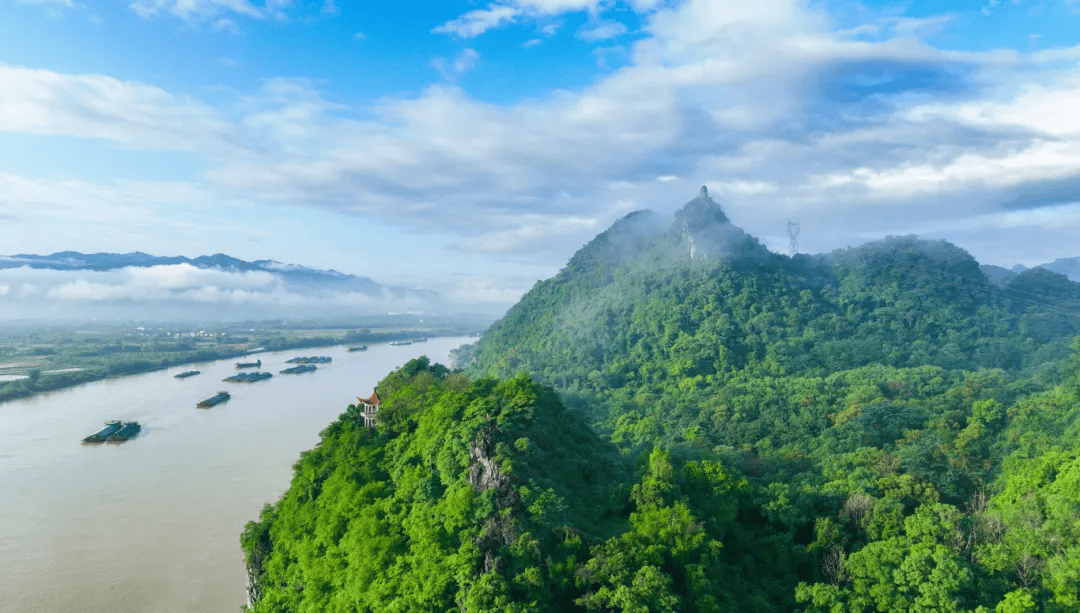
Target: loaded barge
point(310, 360)
point(186, 374)
point(255, 364)
point(295, 370)
point(126, 431)
point(248, 377)
point(114, 432)
point(214, 400)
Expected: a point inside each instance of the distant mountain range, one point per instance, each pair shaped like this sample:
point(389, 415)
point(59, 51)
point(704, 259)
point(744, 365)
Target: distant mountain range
point(1069, 267)
point(298, 278)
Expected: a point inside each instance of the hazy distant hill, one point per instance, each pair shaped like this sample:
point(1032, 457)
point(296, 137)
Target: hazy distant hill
point(1070, 267)
point(298, 278)
point(998, 276)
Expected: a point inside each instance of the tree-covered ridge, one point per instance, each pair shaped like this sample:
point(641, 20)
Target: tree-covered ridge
point(876, 429)
point(880, 400)
point(642, 317)
point(490, 496)
point(418, 513)
point(1012, 546)
point(479, 495)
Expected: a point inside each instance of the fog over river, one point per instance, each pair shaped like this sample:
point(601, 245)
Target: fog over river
point(153, 524)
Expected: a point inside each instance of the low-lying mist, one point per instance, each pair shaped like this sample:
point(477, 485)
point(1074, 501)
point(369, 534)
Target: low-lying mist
point(184, 292)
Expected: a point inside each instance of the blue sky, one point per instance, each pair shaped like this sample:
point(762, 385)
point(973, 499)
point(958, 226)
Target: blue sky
point(471, 147)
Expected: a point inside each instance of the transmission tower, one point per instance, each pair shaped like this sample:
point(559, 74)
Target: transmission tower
point(793, 232)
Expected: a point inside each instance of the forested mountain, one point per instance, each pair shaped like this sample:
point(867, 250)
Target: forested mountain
point(880, 428)
point(645, 322)
point(488, 496)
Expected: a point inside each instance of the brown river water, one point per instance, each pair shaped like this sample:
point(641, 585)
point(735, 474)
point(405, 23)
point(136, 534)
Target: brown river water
point(153, 524)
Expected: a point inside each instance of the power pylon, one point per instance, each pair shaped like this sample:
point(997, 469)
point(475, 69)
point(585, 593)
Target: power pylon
point(793, 232)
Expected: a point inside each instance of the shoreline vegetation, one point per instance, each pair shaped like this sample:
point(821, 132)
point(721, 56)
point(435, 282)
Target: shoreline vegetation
point(52, 359)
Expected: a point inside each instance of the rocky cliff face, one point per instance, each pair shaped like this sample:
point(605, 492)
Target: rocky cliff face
point(501, 528)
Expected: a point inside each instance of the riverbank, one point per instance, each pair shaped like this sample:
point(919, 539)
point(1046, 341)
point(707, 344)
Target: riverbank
point(39, 382)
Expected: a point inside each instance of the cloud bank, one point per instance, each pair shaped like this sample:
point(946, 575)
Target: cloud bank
point(178, 291)
point(856, 130)
point(181, 290)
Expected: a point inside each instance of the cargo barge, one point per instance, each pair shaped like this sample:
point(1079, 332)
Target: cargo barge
point(111, 427)
point(255, 364)
point(295, 370)
point(214, 400)
point(310, 360)
point(248, 377)
point(115, 431)
point(360, 348)
point(186, 374)
point(126, 431)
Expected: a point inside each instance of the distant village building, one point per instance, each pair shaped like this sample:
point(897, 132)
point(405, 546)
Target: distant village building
point(371, 408)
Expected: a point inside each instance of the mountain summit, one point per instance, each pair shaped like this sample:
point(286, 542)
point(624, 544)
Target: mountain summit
point(702, 210)
point(705, 233)
point(698, 234)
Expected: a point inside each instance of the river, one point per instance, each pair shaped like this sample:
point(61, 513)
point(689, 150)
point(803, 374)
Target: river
point(153, 524)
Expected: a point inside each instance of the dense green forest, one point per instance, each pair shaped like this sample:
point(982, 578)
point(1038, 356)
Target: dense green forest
point(681, 420)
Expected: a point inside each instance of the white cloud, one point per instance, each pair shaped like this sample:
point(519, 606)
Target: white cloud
point(193, 9)
point(475, 23)
point(1049, 108)
point(533, 228)
point(452, 69)
point(768, 103)
point(204, 10)
point(1041, 161)
point(1067, 54)
point(52, 3)
point(225, 25)
point(557, 7)
point(474, 289)
point(549, 28)
point(61, 214)
point(177, 282)
point(497, 14)
point(174, 285)
point(98, 106)
point(1055, 217)
point(29, 290)
point(600, 30)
